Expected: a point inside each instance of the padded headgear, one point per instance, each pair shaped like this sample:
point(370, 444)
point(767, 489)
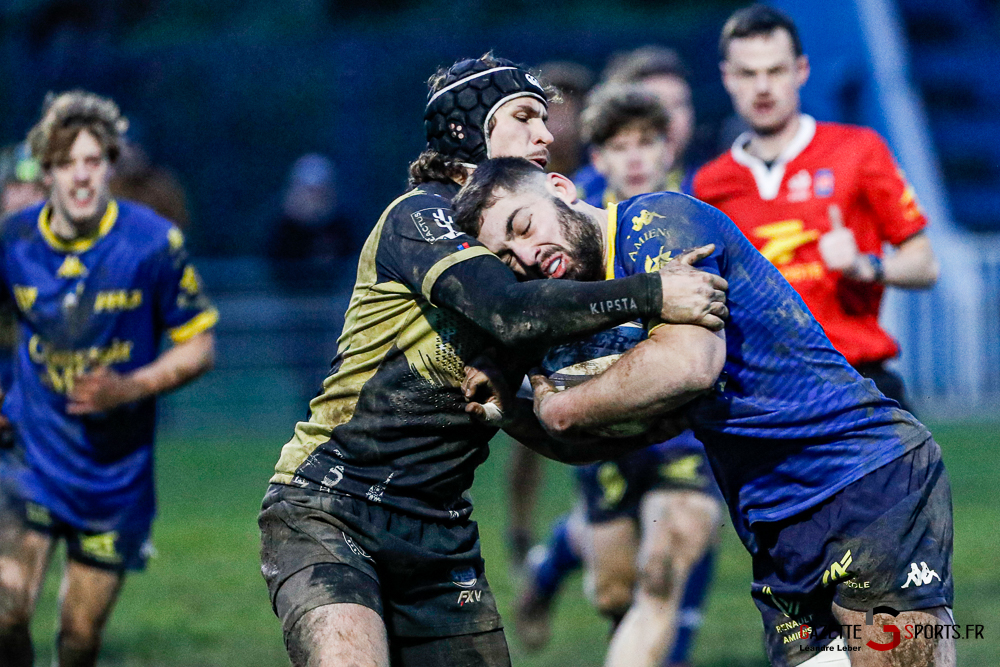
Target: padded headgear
point(458, 113)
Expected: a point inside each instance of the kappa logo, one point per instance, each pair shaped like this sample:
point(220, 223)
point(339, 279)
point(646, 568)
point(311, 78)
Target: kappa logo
point(532, 80)
point(71, 267)
point(918, 576)
point(435, 224)
point(644, 218)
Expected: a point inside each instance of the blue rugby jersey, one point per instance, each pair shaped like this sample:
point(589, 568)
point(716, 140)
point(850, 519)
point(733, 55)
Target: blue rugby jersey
point(790, 422)
point(104, 300)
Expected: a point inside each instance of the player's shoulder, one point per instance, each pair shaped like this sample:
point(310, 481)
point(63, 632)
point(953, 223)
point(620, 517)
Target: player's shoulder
point(145, 230)
point(432, 195)
point(715, 174)
point(667, 206)
point(22, 224)
point(844, 136)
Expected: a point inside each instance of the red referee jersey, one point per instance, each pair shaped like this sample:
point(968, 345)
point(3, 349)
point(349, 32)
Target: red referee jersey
point(783, 210)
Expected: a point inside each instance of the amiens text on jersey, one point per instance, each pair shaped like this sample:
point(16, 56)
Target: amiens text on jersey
point(105, 300)
point(790, 422)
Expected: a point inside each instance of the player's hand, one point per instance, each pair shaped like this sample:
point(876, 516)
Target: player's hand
point(486, 391)
point(543, 390)
point(99, 390)
point(839, 249)
point(692, 296)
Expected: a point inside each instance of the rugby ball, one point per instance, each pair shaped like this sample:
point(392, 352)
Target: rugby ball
point(574, 363)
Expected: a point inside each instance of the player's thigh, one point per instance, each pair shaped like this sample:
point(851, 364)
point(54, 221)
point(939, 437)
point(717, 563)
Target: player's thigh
point(24, 558)
point(87, 595)
point(610, 554)
point(932, 646)
point(482, 649)
point(340, 634)
point(677, 526)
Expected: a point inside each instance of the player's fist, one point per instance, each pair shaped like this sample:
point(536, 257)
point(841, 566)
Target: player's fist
point(837, 247)
point(99, 390)
point(692, 296)
point(486, 391)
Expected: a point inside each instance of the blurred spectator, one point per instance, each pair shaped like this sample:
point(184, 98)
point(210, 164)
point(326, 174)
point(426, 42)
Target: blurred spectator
point(573, 81)
point(662, 72)
point(310, 238)
point(139, 180)
point(21, 178)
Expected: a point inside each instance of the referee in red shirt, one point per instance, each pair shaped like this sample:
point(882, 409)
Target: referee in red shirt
point(819, 200)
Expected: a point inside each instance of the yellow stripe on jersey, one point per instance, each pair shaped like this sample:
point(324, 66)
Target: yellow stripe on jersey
point(203, 321)
point(79, 244)
point(374, 317)
point(444, 264)
point(609, 256)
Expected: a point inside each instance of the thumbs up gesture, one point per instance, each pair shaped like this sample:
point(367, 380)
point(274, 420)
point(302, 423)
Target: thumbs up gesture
point(837, 247)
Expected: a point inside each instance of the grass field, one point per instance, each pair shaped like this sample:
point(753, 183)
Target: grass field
point(202, 601)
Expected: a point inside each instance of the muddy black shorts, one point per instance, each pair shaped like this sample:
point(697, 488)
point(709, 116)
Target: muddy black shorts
point(423, 577)
point(885, 539)
point(614, 489)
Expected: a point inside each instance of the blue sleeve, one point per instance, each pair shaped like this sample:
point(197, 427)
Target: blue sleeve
point(654, 229)
point(182, 309)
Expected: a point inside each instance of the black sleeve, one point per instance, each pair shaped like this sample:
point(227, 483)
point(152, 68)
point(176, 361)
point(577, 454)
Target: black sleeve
point(541, 313)
point(420, 247)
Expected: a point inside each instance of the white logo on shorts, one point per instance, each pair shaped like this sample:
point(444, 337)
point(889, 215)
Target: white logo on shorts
point(356, 548)
point(919, 576)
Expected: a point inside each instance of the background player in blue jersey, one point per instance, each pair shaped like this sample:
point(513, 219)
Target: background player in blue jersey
point(645, 514)
point(839, 495)
point(96, 283)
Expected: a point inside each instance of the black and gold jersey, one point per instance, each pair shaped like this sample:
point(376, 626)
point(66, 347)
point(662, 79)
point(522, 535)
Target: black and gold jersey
point(390, 424)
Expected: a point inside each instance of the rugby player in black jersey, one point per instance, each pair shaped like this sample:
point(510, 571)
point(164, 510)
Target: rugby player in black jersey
point(367, 546)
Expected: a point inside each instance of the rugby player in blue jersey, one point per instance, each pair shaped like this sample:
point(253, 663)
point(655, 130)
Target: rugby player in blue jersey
point(367, 545)
point(839, 495)
point(96, 284)
point(649, 518)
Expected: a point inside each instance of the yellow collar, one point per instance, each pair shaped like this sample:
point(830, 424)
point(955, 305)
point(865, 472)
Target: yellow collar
point(83, 243)
point(612, 234)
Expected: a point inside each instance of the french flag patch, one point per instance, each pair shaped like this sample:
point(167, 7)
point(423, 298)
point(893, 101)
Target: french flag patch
point(463, 246)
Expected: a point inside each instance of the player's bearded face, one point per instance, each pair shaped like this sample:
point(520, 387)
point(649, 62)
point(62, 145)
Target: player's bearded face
point(538, 235)
point(583, 246)
point(79, 182)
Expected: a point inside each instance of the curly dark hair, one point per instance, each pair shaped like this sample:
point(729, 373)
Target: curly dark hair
point(65, 115)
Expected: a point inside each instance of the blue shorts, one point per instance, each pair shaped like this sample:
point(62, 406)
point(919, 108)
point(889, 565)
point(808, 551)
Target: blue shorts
point(886, 540)
point(125, 547)
point(614, 489)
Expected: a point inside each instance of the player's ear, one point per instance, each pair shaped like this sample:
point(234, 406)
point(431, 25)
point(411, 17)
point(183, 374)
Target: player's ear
point(802, 70)
point(561, 187)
